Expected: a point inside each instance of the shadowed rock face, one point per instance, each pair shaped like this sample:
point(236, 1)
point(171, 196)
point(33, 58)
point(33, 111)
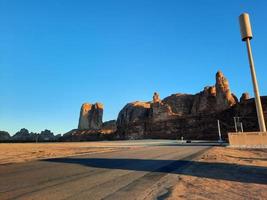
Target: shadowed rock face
point(160, 111)
point(25, 136)
point(91, 116)
point(205, 101)
point(180, 104)
point(109, 126)
point(4, 136)
point(133, 112)
point(244, 97)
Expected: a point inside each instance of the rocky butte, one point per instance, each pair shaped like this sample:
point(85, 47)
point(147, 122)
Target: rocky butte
point(91, 125)
point(191, 116)
point(91, 116)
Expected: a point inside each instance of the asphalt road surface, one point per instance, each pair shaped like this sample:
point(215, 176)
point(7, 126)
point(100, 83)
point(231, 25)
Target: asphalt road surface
point(122, 174)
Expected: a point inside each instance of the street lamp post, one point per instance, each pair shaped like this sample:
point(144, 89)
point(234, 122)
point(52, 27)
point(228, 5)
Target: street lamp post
point(246, 34)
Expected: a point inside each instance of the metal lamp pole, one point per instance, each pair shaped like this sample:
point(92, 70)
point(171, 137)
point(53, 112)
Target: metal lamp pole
point(246, 34)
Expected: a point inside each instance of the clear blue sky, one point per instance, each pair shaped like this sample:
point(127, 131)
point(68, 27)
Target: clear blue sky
point(57, 54)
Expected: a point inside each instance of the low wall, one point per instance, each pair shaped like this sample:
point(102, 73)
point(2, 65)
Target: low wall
point(248, 139)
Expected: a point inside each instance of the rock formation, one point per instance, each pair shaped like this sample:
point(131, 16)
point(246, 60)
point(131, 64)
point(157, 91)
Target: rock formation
point(214, 98)
point(159, 110)
point(25, 136)
point(109, 126)
point(244, 97)
point(156, 98)
point(224, 98)
point(133, 112)
point(47, 135)
point(107, 132)
point(205, 101)
point(4, 136)
point(179, 115)
point(91, 116)
point(190, 116)
point(180, 104)
point(91, 126)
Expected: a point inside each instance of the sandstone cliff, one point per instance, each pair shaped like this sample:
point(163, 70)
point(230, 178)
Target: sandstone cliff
point(91, 126)
point(224, 98)
point(130, 114)
point(190, 116)
point(181, 104)
point(91, 116)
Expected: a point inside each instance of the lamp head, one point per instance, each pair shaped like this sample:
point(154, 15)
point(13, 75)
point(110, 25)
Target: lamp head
point(245, 27)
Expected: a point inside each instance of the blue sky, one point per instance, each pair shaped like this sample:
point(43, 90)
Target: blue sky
point(57, 54)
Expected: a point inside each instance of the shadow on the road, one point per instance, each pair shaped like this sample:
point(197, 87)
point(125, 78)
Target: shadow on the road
point(220, 171)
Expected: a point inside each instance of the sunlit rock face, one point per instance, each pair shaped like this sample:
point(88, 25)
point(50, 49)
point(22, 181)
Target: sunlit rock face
point(224, 98)
point(84, 115)
point(244, 97)
point(91, 126)
point(91, 116)
point(156, 98)
point(214, 98)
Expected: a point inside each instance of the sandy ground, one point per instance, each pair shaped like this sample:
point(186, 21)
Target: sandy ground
point(220, 173)
point(21, 152)
point(224, 173)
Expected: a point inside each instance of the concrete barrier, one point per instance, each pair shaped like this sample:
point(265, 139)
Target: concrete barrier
point(248, 139)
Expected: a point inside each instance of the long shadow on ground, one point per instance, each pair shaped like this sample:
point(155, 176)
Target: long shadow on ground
point(221, 171)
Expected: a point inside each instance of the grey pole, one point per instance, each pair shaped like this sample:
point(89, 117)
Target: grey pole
point(246, 34)
point(235, 124)
point(219, 131)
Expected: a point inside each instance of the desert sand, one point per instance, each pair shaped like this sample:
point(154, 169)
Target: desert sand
point(224, 173)
point(22, 152)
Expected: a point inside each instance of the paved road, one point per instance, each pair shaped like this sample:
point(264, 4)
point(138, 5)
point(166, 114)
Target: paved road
point(122, 174)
